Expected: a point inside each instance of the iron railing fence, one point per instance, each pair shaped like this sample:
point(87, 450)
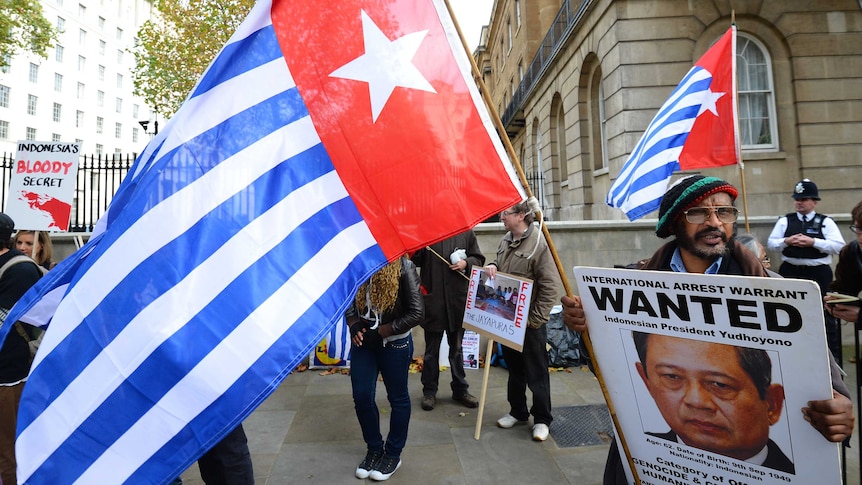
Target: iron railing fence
point(565, 22)
point(99, 177)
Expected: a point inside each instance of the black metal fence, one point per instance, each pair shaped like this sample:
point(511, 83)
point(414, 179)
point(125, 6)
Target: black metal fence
point(570, 13)
point(536, 180)
point(537, 187)
point(99, 177)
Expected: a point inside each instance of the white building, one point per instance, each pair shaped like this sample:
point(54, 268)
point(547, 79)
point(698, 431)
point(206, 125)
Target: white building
point(83, 90)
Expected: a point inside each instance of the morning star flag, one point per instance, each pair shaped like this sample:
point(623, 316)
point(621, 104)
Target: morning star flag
point(326, 139)
point(695, 128)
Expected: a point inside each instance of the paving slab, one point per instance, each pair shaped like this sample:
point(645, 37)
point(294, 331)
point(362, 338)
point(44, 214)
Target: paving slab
point(307, 433)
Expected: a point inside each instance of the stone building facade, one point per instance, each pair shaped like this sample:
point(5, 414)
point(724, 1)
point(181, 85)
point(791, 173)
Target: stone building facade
point(576, 82)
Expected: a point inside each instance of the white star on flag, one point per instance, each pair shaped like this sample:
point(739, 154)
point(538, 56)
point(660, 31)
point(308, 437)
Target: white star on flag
point(708, 104)
point(385, 65)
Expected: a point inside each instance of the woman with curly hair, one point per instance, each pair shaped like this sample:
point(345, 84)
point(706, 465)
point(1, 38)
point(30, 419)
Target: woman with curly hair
point(385, 309)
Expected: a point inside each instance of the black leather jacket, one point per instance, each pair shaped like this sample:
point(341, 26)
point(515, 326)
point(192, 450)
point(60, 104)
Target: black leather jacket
point(409, 309)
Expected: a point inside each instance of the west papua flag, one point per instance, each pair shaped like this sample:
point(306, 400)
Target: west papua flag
point(695, 128)
point(326, 139)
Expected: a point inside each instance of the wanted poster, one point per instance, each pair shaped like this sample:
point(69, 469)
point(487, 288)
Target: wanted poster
point(708, 374)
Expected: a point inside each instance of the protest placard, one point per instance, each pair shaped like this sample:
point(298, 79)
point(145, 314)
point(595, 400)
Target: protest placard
point(470, 349)
point(707, 374)
point(42, 185)
point(498, 308)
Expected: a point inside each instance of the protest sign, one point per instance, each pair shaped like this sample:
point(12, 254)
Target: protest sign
point(42, 185)
point(470, 349)
point(498, 308)
point(707, 374)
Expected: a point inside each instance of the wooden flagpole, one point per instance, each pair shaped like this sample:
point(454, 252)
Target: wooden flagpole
point(737, 142)
point(498, 124)
point(448, 263)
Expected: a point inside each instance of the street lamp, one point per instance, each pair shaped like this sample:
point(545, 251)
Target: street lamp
point(145, 124)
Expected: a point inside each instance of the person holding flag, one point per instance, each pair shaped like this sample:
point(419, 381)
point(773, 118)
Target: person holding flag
point(698, 212)
point(524, 252)
point(697, 128)
point(444, 284)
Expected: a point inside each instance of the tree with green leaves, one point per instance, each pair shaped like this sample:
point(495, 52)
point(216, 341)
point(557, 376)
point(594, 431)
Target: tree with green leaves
point(23, 28)
point(178, 43)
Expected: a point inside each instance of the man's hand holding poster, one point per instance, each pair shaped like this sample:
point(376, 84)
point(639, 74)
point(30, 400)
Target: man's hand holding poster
point(498, 308)
point(708, 374)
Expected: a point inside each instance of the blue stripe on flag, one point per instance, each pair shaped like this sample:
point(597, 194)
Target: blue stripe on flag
point(227, 255)
point(209, 328)
point(241, 56)
point(182, 255)
point(681, 106)
point(641, 183)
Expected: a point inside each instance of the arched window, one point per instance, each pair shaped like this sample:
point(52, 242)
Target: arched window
point(518, 12)
point(538, 164)
point(598, 120)
point(558, 139)
point(758, 129)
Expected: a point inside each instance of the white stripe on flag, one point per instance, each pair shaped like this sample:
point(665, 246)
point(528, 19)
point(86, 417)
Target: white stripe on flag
point(184, 208)
point(624, 193)
point(229, 359)
point(203, 112)
point(255, 21)
point(137, 339)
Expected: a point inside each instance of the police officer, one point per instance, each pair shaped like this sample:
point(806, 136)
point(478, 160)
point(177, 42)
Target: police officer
point(807, 240)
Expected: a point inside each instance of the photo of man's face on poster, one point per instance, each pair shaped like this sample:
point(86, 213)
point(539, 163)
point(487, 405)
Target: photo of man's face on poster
point(714, 397)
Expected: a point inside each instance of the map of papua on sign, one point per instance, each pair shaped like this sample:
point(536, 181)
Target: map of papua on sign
point(42, 185)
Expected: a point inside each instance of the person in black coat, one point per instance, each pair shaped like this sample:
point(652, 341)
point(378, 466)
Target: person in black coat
point(445, 268)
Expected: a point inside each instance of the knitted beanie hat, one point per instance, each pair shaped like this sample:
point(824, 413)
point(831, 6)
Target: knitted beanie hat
point(685, 193)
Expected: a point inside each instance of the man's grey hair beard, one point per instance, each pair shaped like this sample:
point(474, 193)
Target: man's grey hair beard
point(708, 254)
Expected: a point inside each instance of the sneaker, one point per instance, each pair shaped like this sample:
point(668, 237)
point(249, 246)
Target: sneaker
point(385, 468)
point(428, 402)
point(367, 466)
point(467, 399)
point(508, 421)
point(540, 432)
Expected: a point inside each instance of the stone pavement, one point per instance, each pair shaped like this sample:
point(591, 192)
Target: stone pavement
point(307, 433)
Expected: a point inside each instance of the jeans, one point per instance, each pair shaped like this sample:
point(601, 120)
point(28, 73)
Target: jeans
point(431, 371)
point(530, 368)
point(228, 462)
point(392, 361)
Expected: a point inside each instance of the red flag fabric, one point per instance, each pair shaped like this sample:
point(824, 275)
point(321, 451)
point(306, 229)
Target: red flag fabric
point(713, 140)
point(389, 89)
point(695, 128)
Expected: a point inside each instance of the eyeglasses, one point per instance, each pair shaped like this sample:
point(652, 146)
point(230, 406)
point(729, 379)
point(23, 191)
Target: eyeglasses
point(856, 230)
point(699, 215)
point(508, 213)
